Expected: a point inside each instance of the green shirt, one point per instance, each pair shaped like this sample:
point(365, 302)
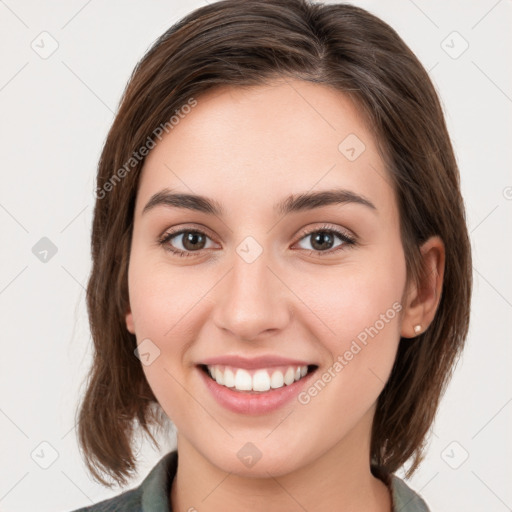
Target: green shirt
point(153, 493)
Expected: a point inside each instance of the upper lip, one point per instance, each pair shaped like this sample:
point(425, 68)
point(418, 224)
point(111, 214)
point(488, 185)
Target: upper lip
point(254, 362)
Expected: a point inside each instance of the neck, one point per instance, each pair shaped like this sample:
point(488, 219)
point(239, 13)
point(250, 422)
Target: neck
point(339, 479)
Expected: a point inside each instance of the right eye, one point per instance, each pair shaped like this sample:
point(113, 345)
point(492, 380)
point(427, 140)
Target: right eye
point(191, 241)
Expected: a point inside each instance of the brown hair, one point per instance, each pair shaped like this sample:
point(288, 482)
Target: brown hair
point(240, 44)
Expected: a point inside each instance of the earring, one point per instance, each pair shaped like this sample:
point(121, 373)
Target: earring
point(417, 329)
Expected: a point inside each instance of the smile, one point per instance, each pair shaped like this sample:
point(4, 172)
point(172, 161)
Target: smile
point(257, 380)
point(223, 383)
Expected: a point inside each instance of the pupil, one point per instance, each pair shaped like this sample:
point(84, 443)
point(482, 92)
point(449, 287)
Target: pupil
point(319, 240)
point(191, 238)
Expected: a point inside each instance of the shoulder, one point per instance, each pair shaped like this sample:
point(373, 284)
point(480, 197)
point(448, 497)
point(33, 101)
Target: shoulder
point(405, 499)
point(152, 493)
point(128, 501)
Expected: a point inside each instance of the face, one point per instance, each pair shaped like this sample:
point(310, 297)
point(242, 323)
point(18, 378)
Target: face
point(317, 283)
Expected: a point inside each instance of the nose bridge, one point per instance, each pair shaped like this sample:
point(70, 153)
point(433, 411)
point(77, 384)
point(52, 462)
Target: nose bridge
point(253, 299)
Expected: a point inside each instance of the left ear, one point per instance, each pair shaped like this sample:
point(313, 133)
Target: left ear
point(422, 299)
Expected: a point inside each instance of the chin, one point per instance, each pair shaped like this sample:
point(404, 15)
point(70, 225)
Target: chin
point(255, 460)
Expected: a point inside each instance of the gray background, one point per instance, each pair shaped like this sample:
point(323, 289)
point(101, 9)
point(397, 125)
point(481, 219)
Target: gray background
point(55, 114)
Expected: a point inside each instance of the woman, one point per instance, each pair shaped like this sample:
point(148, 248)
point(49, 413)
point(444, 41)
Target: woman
point(281, 265)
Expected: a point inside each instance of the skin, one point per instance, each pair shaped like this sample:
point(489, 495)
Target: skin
point(249, 149)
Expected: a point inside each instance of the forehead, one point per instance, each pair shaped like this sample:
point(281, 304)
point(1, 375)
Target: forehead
point(252, 145)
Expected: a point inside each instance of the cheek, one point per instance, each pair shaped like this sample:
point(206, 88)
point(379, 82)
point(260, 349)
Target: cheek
point(349, 300)
point(161, 296)
point(166, 306)
point(360, 311)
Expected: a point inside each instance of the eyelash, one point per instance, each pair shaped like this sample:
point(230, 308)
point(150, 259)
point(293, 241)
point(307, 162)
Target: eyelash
point(347, 240)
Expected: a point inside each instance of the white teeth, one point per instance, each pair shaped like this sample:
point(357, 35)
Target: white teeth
point(243, 380)
point(229, 378)
point(218, 376)
point(289, 376)
point(260, 380)
point(277, 380)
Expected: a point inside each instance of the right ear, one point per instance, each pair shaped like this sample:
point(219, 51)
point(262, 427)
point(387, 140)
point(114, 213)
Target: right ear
point(129, 321)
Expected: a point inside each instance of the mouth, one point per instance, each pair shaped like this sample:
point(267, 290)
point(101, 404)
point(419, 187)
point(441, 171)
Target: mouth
point(258, 380)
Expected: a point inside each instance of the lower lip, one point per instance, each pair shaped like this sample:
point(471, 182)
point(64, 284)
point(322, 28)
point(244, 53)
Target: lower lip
point(252, 403)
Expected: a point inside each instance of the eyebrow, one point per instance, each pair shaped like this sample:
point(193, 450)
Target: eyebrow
point(293, 203)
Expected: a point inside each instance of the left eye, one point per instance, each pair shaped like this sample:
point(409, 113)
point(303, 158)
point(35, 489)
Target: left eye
point(321, 238)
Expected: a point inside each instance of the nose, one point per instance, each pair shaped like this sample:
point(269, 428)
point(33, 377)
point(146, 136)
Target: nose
point(253, 300)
